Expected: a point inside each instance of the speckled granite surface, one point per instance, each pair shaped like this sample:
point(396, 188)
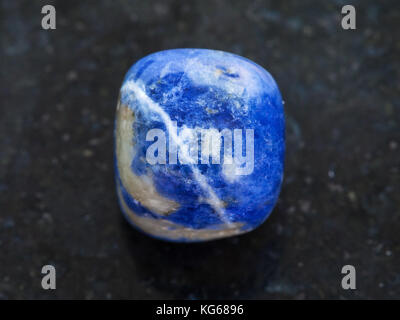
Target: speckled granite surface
point(340, 198)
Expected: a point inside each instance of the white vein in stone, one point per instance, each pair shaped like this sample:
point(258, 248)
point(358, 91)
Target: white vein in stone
point(131, 87)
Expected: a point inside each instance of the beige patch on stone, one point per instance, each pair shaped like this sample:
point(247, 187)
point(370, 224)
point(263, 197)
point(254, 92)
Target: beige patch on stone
point(173, 231)
point(141, 188)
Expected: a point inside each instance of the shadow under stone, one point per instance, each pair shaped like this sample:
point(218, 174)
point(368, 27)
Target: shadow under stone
point(232, 268)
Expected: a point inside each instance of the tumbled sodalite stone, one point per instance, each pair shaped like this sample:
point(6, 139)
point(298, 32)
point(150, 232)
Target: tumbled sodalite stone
point(199, 144)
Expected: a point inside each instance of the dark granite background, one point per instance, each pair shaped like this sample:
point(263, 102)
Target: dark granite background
point(340, 202)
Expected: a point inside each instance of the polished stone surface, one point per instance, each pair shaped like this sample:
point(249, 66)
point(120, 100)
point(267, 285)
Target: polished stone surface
point(341, 193)
point(199, 144)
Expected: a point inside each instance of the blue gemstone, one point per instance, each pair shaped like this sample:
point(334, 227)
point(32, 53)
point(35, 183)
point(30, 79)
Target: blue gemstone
point(199, 146)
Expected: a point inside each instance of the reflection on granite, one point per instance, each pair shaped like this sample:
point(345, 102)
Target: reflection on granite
point(340, 198)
